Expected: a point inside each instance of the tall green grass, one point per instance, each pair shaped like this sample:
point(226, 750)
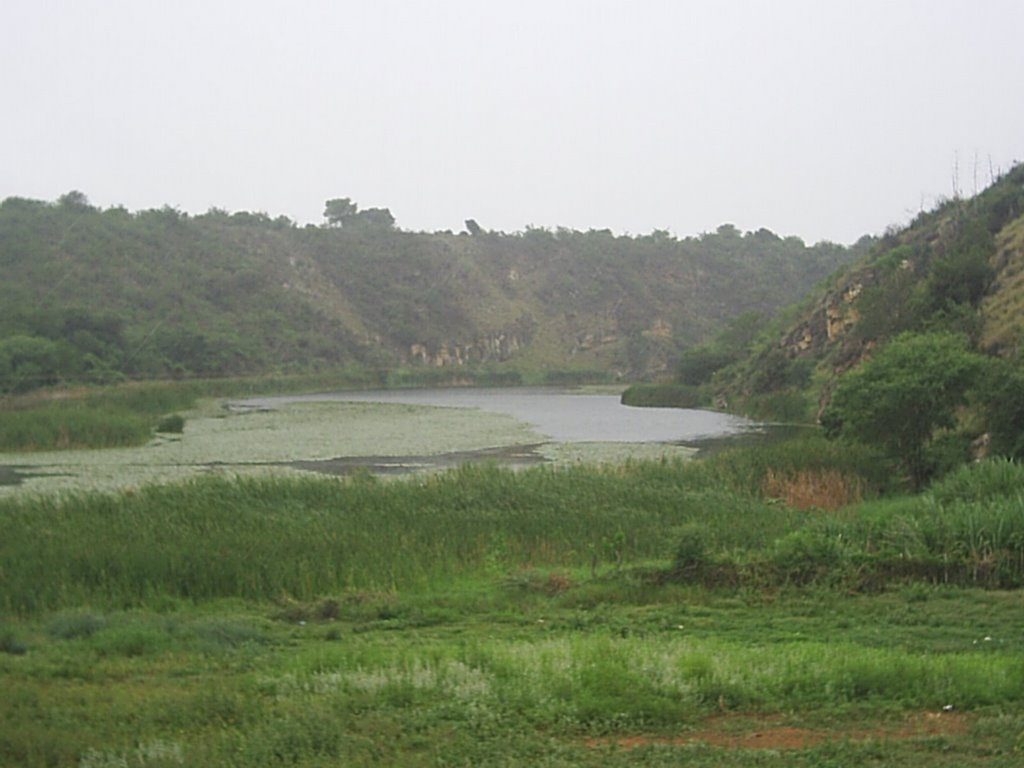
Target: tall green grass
point(592, 680)
point(981, 481)
point(112, 417)
point(271, 538)
point(664, 396)
point(969, 529)
point(71, 425)
point(745, 469)
point(127, 414)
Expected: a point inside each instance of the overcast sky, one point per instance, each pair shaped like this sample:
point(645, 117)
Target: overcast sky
point(821, 119)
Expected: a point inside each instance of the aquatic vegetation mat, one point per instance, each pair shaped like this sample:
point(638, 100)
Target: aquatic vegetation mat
point(327, 437)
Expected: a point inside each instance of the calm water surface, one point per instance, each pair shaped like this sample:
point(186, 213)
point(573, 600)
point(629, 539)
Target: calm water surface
point(562, 415)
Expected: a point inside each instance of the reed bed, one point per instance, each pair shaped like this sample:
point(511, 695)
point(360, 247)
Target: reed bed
point(125, 415)
point(300, 538)
point(61, 426)
point(824, 489)
point(969, 530)
point(752, 469)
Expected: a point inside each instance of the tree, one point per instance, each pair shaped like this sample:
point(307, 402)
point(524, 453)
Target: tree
point(342, 212)
point(27, 362)
point(697, 365)
point(902, 396)
point(373, 218)
point(1003, 407)
point(75, 200)
point(339, 210)
point(963, 274)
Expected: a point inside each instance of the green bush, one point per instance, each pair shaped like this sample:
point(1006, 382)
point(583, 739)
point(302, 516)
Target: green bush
point(946, 453)
point(806, 556)
point(1003, 406)
point(108, 417)
point(698, 364)
point(788, 406)
point(10, 642)
point(173, 424)
point(691, 554)
point(69, 625)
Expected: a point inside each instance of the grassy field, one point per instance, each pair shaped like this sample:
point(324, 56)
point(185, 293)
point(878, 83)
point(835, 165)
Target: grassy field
point(761, 607)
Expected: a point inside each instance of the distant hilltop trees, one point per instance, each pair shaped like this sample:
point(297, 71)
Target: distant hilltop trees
point(342, 212)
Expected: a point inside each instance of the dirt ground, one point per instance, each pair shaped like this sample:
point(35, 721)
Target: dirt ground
point(771, 732)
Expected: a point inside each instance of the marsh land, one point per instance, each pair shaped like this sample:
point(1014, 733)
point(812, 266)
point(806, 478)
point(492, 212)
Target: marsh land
point(605, 604)
point(382, 432)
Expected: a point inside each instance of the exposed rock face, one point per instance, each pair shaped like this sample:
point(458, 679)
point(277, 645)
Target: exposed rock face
point(592, 339)
point(842, 315)
point(832, 318)
point(660, 329)
point(826, 329)
point(493, 347)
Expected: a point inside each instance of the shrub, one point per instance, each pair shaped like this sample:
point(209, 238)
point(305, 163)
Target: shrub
point(698, 364)
point(173, 424)
point(804, 556)
point(1004, 407)
point(74, 624)
point(691, 550)
point(10, 642)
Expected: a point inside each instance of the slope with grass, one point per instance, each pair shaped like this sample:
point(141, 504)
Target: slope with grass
point(1002, 308)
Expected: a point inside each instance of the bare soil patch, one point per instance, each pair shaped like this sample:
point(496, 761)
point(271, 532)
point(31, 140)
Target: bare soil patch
point(737, 731)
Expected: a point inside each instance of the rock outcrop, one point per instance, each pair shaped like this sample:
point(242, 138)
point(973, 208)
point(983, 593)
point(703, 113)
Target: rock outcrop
point(831, 320)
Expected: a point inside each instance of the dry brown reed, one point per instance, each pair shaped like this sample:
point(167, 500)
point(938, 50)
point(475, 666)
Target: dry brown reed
point(825, 489)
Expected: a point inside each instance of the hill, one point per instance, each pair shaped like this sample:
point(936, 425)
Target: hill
point(100, 295)
point(951, 283)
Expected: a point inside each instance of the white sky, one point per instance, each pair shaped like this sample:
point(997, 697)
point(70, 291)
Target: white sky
point(821, 119)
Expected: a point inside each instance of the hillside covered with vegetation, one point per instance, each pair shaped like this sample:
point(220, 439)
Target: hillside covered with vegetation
point(94, 295)
point(916, 346)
